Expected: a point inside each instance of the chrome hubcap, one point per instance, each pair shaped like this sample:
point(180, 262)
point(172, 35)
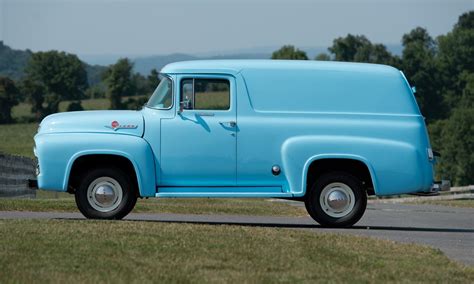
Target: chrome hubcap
point(337, 199)
point(104, 194)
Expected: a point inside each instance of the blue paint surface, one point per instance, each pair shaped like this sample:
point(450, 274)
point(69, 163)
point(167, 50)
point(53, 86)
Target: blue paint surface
point(287, 113)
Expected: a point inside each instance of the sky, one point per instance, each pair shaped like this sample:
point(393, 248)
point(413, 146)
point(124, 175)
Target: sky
point(143, 27)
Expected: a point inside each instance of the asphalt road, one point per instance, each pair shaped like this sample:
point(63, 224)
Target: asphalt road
point(449, 229)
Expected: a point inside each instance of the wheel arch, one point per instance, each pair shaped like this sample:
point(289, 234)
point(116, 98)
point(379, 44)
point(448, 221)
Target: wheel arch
point(113, 155)
point(340, 162)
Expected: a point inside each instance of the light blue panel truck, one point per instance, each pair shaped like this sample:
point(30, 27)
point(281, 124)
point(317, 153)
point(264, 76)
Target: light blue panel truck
point(325, 133)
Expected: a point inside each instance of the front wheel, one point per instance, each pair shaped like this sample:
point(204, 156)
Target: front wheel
point(105, 193)
point(336, 199)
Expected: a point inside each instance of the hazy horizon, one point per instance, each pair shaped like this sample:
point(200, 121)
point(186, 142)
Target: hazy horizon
point(143, 28)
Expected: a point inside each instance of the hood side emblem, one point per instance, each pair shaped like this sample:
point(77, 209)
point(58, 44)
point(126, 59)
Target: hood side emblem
point(115, 125)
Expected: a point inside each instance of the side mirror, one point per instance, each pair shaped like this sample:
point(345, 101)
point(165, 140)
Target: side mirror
point(185, 104)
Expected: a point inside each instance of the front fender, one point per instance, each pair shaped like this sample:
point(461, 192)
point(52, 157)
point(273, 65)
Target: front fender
point(57, 152)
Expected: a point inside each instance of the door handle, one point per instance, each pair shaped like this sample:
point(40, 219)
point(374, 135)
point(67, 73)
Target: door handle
point(228, 123)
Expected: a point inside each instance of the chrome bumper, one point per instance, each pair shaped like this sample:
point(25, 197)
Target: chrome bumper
point(444, 185)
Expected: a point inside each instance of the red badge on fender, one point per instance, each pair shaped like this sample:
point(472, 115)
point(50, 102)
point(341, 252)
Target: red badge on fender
point(115, 124)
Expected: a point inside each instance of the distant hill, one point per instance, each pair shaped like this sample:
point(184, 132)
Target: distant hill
point(14, 61)
point(144, 64)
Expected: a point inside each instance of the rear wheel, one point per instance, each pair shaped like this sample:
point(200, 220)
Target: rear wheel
point(336, 199)
point(105, 193)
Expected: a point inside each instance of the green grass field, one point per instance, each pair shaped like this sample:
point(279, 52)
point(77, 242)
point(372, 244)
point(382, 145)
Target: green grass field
point(17, 139)
point(64, 251)
point(154, 205)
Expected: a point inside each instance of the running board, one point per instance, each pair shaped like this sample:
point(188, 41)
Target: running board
point(223, 195)
point(222, 192)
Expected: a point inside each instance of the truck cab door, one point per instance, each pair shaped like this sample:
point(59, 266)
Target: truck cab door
point(198, 145)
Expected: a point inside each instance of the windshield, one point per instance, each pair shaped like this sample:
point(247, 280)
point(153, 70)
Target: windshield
point(162, 97)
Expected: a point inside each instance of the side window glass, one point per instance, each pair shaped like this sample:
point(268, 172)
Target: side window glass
point(211, 94)
point(205, 94)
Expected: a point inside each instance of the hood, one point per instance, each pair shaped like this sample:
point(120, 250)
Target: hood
point(101, 121)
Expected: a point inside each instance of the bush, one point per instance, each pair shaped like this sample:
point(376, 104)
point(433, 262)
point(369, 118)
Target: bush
point(75, 106)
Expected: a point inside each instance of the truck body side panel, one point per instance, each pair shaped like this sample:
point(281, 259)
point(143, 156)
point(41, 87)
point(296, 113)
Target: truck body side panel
point(392, 143)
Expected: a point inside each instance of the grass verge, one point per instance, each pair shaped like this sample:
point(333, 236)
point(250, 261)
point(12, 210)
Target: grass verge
point(17, 139)
point(66, 251)
point(256, 207)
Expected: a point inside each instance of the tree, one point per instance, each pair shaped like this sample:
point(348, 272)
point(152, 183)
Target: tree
point(467, 98)
point(289, 52)
point(419, 65)
point(34, 93)
point(357, 48)
point(8, 99)
point(75, 106)
point(454, 137)
point(140, 84)
point(153, 80)
point(323, 57)
point(456, 59)
point(95, 92)
point(52, 77)
point(376, 53)
point(135, 103)
point(346, 48)
point(118, 78)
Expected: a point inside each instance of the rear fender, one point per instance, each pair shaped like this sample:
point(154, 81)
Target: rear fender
point(393, 165)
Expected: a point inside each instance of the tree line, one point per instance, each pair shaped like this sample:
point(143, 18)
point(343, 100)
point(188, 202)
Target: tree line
point(52, 77)
point(442, 70)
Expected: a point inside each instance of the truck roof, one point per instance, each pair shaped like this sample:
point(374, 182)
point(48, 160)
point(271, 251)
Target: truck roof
point(313, 86)
point(236, 66)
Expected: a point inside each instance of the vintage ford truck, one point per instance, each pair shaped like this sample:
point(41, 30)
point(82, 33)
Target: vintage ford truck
point(325, 133)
